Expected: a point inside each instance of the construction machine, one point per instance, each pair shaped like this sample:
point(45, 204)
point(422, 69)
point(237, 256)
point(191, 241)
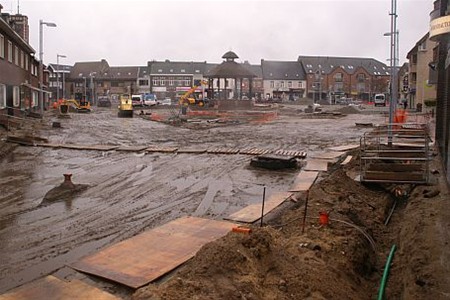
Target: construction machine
point(189, 98)
point(79, 104)
point(125, 107)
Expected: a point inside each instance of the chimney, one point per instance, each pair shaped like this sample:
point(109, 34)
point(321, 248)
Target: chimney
point(1, 7)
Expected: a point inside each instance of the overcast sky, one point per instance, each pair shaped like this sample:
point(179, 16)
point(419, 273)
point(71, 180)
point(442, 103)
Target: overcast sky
point(127, 32)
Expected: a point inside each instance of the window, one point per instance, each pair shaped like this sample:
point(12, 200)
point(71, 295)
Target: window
point(272, 84)
point(2, 95)
point(289, 84)
point(282, 84)
point(26, 62)
point(183, 71)
point(34, 98)
point(338, 86)
point(338, 77)
point(22, 60)
point(423, 46)
point(361, 77)
point(16, 55)
point(300, 84)
point(155, 81)
point(2, 46)
point(162, 82)
point(171, 81)
point(10, 51)
point(143, 82)
point(16, 96)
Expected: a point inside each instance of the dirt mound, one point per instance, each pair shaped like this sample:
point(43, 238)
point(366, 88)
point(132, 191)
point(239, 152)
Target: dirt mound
point(349, 109)
point(279, 262)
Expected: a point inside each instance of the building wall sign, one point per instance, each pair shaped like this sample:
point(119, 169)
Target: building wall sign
point(440, 26)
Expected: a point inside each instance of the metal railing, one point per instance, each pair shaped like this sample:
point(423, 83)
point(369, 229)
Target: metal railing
point(405, 161)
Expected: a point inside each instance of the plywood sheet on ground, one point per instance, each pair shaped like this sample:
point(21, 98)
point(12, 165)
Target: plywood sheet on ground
point(316, 165)
point(132, 148)
point(346, 160)
point(147, 256)
point(328, 155)
point(252, 212)
point(51, 287)
point(344, 148)
point(304, 181)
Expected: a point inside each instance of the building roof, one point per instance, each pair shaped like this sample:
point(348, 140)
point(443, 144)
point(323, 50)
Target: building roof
point(126, 73)
point(311, 64)
point(143, 71)
point(84, 69)
point(416, 46)
point(4, 27)
point(61, 68)
point(176, 67)
point(230, 55)
point(282, 70)
point(230, 69)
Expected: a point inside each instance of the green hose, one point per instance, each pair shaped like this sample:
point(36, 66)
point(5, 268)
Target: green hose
point(386, 273)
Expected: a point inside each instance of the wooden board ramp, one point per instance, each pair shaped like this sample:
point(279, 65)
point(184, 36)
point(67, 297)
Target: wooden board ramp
point(316, 165)
point(252, 212)
point(142, 259)
point(132, 148)
point(161, 149)
point(304, 181)
point(344, 148)
point(51, 287)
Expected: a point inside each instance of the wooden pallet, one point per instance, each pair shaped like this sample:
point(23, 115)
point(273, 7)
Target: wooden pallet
point(152, 149)
point(299, 154)
point(254, 151)
point(191, 151)
point(223, 151)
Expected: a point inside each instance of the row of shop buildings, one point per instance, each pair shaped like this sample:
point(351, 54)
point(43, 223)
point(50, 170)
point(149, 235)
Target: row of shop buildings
point(319, 78)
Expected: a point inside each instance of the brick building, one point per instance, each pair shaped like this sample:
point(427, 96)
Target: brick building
point(331, 77)
point(421, 85)
point(19, 69)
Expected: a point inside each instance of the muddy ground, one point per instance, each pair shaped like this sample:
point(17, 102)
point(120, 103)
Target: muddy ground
point(132, 192)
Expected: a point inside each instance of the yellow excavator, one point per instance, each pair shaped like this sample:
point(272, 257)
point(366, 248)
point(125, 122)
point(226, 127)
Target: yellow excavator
point(79, 103)
point(125, 107)
point(186, 100)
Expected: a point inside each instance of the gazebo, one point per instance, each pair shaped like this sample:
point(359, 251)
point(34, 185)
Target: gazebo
point(229, 69)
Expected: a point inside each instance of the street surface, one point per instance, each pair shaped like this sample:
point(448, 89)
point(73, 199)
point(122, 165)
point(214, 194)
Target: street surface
point(133, 192)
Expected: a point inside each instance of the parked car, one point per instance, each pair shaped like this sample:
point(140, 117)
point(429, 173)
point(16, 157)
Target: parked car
point(104, 101)
point(136, 100)
point(379, 99)
point(150, 100)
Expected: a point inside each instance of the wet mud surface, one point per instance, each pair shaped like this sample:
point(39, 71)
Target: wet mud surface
point(132, 192)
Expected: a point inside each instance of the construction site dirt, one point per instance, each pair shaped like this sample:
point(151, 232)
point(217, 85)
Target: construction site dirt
point(127, 192)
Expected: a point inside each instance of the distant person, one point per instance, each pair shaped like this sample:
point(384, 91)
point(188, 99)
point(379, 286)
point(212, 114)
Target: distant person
point(405, 104)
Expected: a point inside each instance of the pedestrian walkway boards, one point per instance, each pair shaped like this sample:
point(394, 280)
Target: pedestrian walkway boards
point(146, 257)
point(304, 181)
point(252, 212)
point(53, 288)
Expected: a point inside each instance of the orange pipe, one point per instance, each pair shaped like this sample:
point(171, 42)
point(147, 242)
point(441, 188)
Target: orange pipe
point(242, 230)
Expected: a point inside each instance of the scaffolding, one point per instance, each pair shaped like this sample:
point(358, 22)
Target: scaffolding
point(406, 160)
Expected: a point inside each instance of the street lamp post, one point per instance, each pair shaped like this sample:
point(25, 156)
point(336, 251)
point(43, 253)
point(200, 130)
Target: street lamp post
point(91, 75)
point(41, 66)
point(57, 75)
point(393, 64)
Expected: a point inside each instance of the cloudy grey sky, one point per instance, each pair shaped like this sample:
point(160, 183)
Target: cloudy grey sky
point(127, 32)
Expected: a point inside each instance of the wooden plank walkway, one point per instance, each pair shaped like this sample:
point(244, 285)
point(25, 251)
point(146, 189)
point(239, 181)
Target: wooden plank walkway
point(252, 212)
point(51, 287)
point(304, 181)
point(316, 165)
point(142, 259)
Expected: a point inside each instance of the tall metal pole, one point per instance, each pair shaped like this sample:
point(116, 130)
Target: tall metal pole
point(63, 87)
point(41, 72)
point(393, 65)
point(57, 77)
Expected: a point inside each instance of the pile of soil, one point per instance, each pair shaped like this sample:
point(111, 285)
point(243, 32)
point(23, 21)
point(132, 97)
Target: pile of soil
point(343, 260)
point(348, 110)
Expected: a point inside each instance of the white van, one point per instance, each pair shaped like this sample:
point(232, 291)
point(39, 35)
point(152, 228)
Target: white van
point(379, 100)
